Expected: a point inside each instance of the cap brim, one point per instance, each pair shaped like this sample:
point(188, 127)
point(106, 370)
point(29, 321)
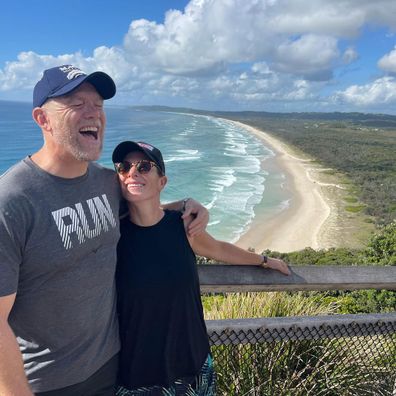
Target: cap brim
point(102, 82)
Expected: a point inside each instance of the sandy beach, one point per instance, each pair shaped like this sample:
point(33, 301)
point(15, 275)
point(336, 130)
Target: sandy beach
point(301, 224)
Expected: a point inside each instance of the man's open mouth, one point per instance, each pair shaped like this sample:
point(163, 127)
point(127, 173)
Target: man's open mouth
point(90, 131)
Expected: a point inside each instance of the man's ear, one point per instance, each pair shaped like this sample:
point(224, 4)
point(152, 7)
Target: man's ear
point(40, 116)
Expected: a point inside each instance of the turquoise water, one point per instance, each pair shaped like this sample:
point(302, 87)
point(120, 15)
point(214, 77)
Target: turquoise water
point(209, 159)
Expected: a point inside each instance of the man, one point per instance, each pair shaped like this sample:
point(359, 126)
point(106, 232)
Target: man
point(59, 229)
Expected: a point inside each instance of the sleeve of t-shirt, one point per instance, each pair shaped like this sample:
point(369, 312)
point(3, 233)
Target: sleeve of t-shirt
point(11, 236)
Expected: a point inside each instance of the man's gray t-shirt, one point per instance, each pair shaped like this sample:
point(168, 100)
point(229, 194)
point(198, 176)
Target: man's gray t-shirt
point(58, 242)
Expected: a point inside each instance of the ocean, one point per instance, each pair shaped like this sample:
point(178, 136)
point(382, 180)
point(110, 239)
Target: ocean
point(212, 160)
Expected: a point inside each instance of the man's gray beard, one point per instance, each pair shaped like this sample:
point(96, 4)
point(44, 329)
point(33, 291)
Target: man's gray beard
point(84, 156)
point(73, 147)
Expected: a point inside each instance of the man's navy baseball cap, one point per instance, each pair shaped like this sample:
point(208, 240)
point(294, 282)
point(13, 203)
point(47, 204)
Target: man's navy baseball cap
point(61, 80)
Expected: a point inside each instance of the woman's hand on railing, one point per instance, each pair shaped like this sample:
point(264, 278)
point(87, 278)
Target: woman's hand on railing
point(278, 265)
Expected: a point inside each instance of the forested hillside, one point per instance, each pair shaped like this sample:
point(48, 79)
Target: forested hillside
point(366, 154)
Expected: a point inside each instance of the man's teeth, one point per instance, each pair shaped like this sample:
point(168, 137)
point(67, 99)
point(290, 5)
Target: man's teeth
point(89, 129)
point(135, 185)
point(92, 131)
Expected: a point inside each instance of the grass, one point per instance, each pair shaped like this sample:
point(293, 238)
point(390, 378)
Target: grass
point(289, 366)
point(351, 199)
point(354, 209)
point(269, 304)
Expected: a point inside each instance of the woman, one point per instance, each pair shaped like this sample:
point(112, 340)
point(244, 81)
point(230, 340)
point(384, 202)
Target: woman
point(165, 348)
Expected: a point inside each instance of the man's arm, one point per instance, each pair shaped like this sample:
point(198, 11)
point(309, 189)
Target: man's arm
point(13, 380)
point(189, 207)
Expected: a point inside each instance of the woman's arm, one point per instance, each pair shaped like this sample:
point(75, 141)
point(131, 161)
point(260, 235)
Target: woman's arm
point(205, 245)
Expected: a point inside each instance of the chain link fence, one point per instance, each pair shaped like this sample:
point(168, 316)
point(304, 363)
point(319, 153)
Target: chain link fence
point(336, 355)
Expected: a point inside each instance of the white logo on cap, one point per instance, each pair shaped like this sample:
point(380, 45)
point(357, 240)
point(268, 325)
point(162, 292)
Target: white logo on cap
point(147, 146)
point(72, 72)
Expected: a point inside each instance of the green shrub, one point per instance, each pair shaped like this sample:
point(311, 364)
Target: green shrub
point(354, 209)
point(382, 247)
point(350, 199)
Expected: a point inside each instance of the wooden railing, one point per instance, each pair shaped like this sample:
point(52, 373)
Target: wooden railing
point(235, 278)
point(304, 355)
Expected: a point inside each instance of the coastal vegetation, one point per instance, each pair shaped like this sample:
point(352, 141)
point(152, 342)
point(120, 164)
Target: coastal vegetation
point(381, 250)
point(284, 366)
point(317, 366)
point(360, 146)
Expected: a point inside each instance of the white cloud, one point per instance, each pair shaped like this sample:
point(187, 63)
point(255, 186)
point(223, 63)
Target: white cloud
point(209, 34)
point(261, 68)
point(379, 92)
point(334, 18)
point(27, 70)
point(388, 62)
point(300, 91)
point(350, 55)
point(309, 55)
point(239, 52)
point(23, 73)
point(203, 38)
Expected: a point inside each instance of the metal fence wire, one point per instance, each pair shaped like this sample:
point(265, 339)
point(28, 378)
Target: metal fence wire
point(336, 355)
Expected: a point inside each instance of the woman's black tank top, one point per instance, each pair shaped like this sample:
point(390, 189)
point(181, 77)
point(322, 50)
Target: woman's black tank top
point(162, 328)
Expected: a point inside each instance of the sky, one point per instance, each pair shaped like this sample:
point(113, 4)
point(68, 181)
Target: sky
point(261, 55)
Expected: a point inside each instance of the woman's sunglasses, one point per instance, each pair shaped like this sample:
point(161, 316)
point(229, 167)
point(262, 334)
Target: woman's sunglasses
point(143, 166)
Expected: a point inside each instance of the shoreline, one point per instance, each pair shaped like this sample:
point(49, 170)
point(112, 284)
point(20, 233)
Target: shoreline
point(302, 223)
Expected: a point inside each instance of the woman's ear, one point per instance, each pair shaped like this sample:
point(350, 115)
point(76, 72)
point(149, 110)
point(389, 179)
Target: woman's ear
point(163, 181)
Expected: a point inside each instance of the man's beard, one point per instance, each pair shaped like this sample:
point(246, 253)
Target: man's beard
point(70, 142)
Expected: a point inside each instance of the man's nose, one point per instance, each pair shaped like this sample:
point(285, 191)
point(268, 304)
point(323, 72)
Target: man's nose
point(93, 110)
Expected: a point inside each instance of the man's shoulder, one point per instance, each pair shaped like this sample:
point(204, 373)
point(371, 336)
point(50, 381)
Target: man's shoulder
point(103, 170)
point(15, 177)
point(15, 187)
point(14, 170)
point(103, 177)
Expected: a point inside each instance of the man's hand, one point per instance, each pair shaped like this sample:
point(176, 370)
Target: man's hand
point(200, 215)
point(13, 380)
point(279, 265)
